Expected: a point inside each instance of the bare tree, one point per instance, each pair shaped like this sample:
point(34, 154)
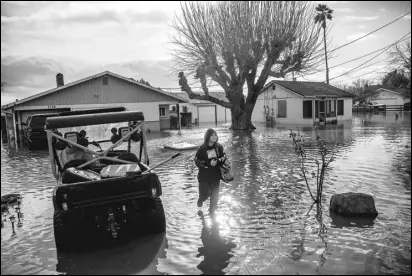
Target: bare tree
point(401, 59)
point(310, 153)
point(359, 86)
point(324, 13)
point(244, 42)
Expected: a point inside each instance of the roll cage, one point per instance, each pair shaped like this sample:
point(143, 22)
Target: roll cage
point(135, 121)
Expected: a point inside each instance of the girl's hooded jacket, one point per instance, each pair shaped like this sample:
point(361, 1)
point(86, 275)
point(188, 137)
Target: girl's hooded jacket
point(204, 155)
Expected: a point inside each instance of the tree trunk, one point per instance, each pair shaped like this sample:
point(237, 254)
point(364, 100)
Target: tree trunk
point(242, 120)
point(326, 55)
point(241, 111)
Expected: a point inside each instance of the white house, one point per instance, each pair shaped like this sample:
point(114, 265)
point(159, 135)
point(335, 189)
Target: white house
point(105, 89)
point(294, 102)
point(205, 111)
point(387, 97)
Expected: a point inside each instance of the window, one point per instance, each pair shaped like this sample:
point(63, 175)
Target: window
point(340, 107)
point(282, 109)
point(105, 80)
point(307, 109)
point(162, 111)
point(316, 109)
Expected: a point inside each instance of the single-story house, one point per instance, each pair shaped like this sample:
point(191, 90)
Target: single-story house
point(205, 111)
point(295, 102)
point(386, 96)
point(105, 89)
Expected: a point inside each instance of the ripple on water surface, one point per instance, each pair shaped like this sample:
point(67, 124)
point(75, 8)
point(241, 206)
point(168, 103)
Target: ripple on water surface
point(266, 223)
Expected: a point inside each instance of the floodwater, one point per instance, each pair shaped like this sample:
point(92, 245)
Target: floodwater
point(265, 224)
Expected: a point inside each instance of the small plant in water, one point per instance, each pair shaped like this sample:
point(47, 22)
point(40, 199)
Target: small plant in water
point(309, 153)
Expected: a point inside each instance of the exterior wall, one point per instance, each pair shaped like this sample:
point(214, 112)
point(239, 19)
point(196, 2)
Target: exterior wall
point(347, 110)
point(294, 107)
point(153, 126)
point(164, 121)
point(388, 98)
point(95, 92)
point(270, 98)
point(221, 116)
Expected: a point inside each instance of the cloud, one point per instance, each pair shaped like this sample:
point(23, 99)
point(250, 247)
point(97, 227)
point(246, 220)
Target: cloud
point(87, 17)
point(344, 10)
point(356, 36)
point(359, 18)
point(29, 76)
point(361, 26)
point(382, 9)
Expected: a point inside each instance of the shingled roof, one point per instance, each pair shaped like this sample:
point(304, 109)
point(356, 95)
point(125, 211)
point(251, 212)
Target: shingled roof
point(311, 89)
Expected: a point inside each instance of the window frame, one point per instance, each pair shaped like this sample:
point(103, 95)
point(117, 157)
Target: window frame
point(164, 107)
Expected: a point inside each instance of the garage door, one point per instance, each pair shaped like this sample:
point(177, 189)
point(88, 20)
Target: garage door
point(206, 114)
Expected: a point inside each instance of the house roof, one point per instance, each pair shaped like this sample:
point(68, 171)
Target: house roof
point(56, 89)
point(219, 95)
point(372, 89)
point(310, 89)
point(390, 91)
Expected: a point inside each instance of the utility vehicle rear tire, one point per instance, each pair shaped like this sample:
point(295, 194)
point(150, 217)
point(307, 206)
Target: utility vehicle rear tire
point(63, 237)
point(155, 218)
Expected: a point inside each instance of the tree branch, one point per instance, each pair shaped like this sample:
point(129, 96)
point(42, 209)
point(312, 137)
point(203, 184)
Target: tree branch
point(186, 88)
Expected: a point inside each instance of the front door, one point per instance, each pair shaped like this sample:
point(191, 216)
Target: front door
point(322, 117)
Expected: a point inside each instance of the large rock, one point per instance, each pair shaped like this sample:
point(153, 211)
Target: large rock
point(353, 204)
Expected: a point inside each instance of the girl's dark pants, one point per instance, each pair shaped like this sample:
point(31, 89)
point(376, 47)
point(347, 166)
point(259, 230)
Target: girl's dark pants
point(210, 189)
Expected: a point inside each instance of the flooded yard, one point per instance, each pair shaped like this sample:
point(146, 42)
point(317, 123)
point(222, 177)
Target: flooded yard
point(265, 224)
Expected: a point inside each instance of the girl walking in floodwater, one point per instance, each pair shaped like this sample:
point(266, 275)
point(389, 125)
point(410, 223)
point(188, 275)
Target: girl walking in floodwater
point(208, 158)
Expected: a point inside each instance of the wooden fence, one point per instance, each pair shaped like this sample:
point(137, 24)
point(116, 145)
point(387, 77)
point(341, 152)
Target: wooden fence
point(375, 109)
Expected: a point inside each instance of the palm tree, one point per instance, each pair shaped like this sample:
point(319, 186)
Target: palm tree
point(323, 14)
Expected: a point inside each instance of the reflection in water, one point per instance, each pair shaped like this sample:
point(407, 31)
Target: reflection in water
point(322, 232)
point(216, 250)
point(359, 222)
point(137, 256)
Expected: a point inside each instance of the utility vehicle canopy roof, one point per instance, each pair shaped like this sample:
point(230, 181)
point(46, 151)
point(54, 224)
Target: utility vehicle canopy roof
point(93, 119)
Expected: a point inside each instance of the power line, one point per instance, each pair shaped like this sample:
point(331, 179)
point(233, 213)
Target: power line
point(360, 75)
point(354, 69)
point(402, 39)
point(369, 33)
point(358, 66)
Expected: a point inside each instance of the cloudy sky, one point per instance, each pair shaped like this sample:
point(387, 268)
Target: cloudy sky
point(79, 39)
